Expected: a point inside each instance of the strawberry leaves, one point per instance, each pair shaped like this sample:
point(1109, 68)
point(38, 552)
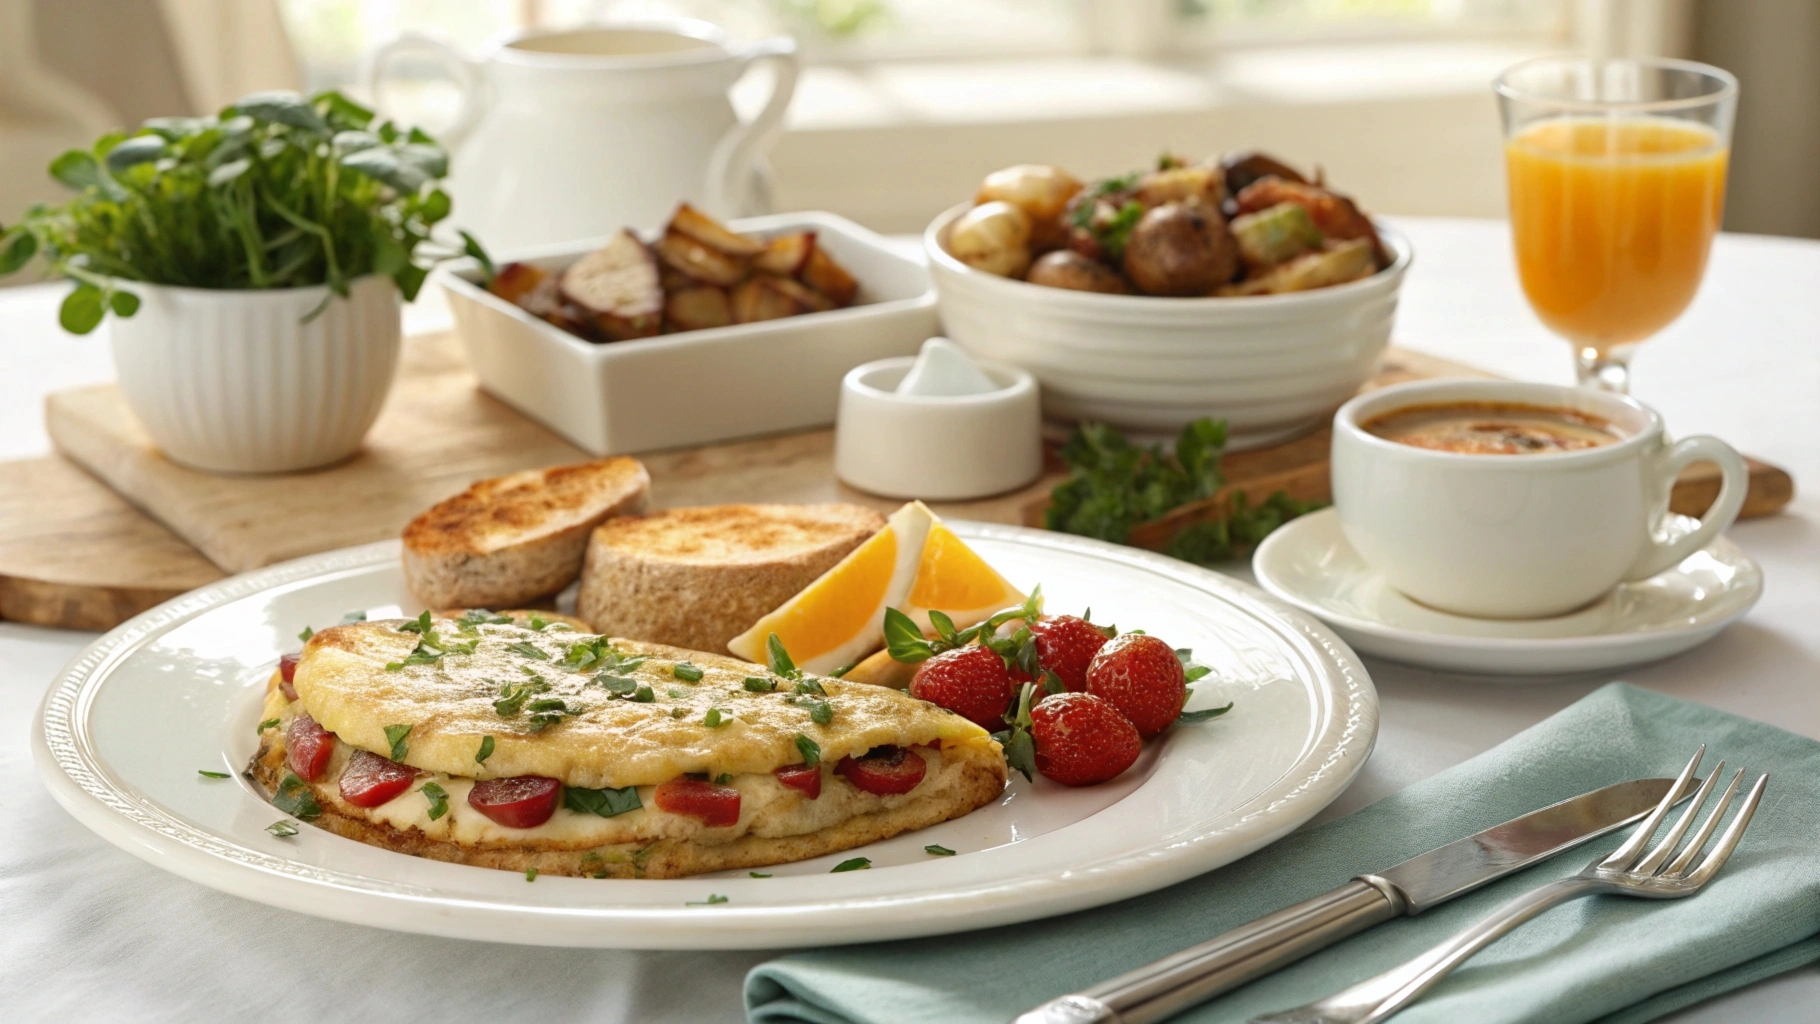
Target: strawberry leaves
point(1020, 747)
point(1192, 672)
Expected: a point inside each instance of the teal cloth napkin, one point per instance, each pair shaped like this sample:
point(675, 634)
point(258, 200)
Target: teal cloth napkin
point(1608, 959)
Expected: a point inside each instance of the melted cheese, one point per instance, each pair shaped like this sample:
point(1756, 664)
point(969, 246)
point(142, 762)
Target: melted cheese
point(449, 705)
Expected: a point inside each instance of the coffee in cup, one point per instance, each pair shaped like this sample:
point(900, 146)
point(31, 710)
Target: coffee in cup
point(1500, 499)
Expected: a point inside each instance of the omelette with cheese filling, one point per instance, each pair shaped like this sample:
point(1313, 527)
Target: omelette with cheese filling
point(481, 740)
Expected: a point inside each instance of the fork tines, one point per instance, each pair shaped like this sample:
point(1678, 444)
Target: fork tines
point(1630, 858)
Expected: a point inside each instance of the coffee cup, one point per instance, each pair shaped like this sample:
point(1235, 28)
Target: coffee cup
point(1451, 520)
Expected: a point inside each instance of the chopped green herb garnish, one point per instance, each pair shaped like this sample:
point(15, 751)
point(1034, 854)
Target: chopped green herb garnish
point(606, 803)
point(281, 829)
point(619, 686)
point(810, 686)
point(205, 773)
point(270, 723)
point(395, 734)
point(438, 797)
point(677, 692)
point(686, 672)
point(530, 874)
point(359, 616)
point(482, 617)
point(678, 712)
point(421, 625)
point(779, 659)
point(306, 634)
point(820, 711)
point(294, 797)
point(537, 622)
point(512, 697)
point(712, 719)
point(527, 649)
point(600, 874)
point(811, 750)
point(844, 669)
point(759, 684)
point(938, 850)
point(856, 864)
point(723, 778)
point(643, 695)
point(712, 899)
point(758, 874)
point(485, 751)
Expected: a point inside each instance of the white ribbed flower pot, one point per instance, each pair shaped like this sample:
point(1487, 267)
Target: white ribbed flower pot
point(235, 382)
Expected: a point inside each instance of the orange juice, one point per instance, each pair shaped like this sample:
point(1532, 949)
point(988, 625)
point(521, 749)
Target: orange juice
point(1612, 220)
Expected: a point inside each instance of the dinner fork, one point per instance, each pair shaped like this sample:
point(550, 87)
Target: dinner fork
point(1628, 871)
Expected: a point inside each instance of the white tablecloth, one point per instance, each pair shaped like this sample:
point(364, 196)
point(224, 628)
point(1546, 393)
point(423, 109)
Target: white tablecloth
point(93, 933)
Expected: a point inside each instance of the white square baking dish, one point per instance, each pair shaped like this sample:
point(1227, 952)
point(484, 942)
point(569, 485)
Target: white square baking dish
point(695, 387)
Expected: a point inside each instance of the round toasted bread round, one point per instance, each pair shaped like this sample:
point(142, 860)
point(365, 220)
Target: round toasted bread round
point(698, 577)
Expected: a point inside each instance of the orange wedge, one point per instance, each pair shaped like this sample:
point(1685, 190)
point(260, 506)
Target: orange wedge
point(915, 564)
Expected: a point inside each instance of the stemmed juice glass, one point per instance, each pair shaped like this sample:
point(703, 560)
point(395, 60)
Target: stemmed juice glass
point(1617, 184)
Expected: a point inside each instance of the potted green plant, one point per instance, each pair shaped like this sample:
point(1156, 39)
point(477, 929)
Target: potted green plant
point(254, 262)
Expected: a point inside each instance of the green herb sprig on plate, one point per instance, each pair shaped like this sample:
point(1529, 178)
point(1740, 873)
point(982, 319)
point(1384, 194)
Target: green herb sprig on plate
point(278, 190)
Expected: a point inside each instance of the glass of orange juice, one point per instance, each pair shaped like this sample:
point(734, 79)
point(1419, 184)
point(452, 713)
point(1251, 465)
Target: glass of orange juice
point(1617, 184)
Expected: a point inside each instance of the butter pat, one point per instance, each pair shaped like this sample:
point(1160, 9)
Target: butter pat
point(943, 370)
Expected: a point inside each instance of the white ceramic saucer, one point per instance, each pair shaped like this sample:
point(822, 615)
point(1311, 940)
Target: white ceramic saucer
point(1309, 564)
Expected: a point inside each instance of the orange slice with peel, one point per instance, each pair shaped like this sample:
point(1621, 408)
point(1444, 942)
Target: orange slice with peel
point(915, 564)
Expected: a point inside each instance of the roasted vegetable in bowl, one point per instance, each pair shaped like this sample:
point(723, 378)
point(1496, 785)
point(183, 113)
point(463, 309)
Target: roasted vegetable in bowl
point(1244, 224)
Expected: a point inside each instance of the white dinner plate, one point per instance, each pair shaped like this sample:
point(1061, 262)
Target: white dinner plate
point(1309, 563)
point(125, 729)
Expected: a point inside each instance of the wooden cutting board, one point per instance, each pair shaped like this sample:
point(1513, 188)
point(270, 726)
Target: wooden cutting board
point(87, 560)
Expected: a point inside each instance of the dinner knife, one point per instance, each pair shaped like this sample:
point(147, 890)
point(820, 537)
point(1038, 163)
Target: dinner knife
point(1168, 986)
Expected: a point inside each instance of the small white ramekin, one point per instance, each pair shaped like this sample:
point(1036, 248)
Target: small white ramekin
point(939, 448)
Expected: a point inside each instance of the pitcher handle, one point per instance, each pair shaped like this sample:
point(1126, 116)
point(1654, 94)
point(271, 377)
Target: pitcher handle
point(463, 69)
point(730, 166)
point(1734, 482)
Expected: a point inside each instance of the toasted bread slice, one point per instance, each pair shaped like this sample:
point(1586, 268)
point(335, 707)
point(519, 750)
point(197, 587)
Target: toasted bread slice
point(618, 286)
point(698, 577)
point(505, 541)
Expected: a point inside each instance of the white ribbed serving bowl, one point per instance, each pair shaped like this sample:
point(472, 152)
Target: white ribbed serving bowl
point(1271, 366)
point(235, 381)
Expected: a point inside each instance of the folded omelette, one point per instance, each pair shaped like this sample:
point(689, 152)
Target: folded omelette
point(521, 743)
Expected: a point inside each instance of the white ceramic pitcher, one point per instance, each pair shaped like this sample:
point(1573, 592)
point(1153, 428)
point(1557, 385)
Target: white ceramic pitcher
point(579, 132)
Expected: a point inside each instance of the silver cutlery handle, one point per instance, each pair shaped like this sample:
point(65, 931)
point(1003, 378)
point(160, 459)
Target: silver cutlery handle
point(1165, 987)
point(1375, 999)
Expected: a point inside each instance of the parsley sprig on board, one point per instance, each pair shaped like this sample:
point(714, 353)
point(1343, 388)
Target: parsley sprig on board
point(1115, 486)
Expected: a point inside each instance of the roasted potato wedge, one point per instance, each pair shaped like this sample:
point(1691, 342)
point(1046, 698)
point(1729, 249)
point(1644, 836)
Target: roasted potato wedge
point(697, 308)
point(755, 299)
point(993, 237)
point(811, 300)
point(515, 280)
point(1041, 191)
point(824, 275)
point(713, 234)
point(1198, 183)
point(786, 254)
point(684, 254)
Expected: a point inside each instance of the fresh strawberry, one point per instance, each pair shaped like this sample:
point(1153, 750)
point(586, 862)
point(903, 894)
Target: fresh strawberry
point(804, 778)
point(370, 780)
point(287, 674)
point(522, 801)
point(884, 771)
point(1143, 678)
point(716, 806)
point(307, 747)
point(1082, 740)
point(970, 681)
point(1066, 645)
